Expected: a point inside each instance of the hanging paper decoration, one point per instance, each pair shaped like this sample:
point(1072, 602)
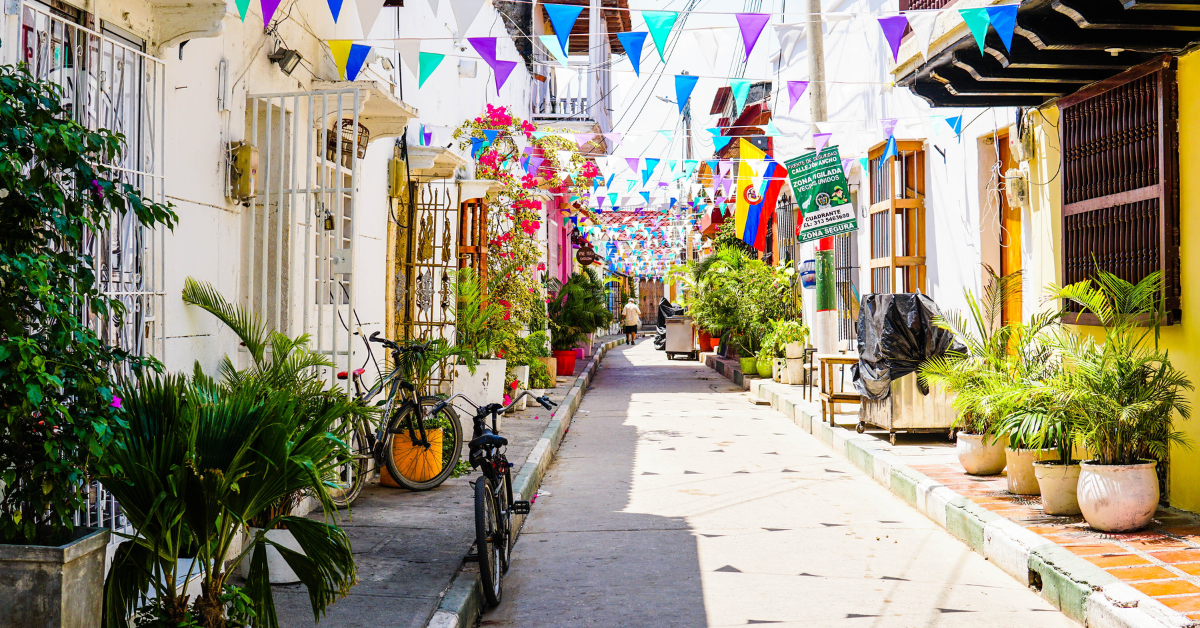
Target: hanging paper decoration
point(465, 12)
point(660, 24)
point(795, 91)
point(789, 36)
point(429, 61)
point(268, 11)
point(772, 130)
point(491, 135)
point(243, 6)
point(669, 134)
point(583, 139)
point(614, 139)
point(562, 18)
point(651, 164)
point(889, 151)
point(751, 25)
point(632, 42)
point(433, 6)
point(821, 140)
point(955, 123)
point(551, 44)
point(340, 49)
point(889, 126)
point(893, 31)
point(706, 43)
point(503, 69)
point(633, 163)
point(684, 84)
point(486, 47)
point(741, 91)
point(368, 12)
point(847, 165)
point(410, 51)
point(645, 196)
point(612, 198)
point(1004, 19)
point(922, 23)
point(977, 21)
point(476, 146)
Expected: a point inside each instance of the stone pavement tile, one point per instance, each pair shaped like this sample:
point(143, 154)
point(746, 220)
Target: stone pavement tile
point(1183, 604)
point(1192, 569)
point(1131, 574)
point(1089, 549)
point(1177, 556)
point(1120, 560)
point(1166, 587)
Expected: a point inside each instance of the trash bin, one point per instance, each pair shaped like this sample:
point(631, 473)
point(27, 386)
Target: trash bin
point(681, 337)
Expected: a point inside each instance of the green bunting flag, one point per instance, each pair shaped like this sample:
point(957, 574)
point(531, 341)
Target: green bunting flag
point(429, 62)
point(741, 91)
point(551, 44)
point(660, 24)
point(977, 20)
point(242, 7)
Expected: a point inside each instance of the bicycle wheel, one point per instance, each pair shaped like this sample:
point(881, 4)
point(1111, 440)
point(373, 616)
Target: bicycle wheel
point(419, 467)
point(504, 500)
point(488, 541)
point(352, 470)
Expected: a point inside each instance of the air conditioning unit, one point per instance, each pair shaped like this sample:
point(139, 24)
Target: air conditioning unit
point(1016, 188)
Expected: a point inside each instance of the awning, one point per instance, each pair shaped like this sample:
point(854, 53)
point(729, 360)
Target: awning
point(1058, 47)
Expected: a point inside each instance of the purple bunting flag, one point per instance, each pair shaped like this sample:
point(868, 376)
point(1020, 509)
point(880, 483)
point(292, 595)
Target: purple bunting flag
point(821, 140)
point(503, 69)
point(889, 126)
point(795, 91)
point(751, 25)
point(893, 31)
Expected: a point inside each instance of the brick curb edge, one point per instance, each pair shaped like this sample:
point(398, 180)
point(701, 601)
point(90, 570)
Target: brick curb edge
point(462, 601)
point(1081, 590)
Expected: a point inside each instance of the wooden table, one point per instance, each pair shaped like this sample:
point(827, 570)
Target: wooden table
point(829, 398)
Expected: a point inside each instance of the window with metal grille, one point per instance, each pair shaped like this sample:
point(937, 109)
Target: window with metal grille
point(845, 277)
point(1120, 179)
point(897, 218)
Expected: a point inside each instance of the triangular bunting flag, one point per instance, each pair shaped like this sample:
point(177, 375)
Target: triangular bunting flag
point(562, 18)
point(795, 91)
point(888, 151)
point(551, 44)
point(354, 61)
point(706, 43)
point(465, 12)
point(955, 123)
point(633, 163)
point(847, 165)
point(922, 24)
point(1004, 19)
point(893, 32)
point(503, 69)
point(751, 25)
point(741, 91)
point(491, 134)
point(632, 43)
point(977, 20)
point(789, 36)
point(583, 139)
point(889, 126)
point(646, 196)
point(340, 49)
point(242, 7)
point(614, 140)
point(433, 6)
point(821, 140)
point(486, 47)
point(660, 24)
point(612, 198)
point(772, 130)
point(368, 12)
point(429, 62)
point(268, 11)
point(410, 53)
point(651, 164)
point(684, 85)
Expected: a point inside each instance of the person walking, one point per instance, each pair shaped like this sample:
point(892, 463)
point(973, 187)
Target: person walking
point(631, 317)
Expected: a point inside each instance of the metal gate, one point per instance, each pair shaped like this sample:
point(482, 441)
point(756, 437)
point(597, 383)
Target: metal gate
point(299, 227)
point(108, 82)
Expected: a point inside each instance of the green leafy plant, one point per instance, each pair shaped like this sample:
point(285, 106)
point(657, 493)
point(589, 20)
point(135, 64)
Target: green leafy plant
point(576, 308)
point(480, 324)
point(539, 375)
point(193, 464)
point(1122, 393)
point(57, 189)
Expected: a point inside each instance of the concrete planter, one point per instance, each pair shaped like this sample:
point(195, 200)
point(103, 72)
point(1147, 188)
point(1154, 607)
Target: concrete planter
point(485, 386)
point(1118, 497)
point(1058, 483)
point(749, 367)
point(1021, 478)
point(280, 572)
point(978, 457)
point(552, 369)
point(778, 369)
point(795, 371)
point(793, 350)
point(54, 587)
point(521, 373)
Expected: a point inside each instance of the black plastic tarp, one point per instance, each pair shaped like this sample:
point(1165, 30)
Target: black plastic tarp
point(665, 309)
point(895, 335)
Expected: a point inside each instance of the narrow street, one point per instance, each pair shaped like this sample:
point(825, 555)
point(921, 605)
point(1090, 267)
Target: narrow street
point(675, 502)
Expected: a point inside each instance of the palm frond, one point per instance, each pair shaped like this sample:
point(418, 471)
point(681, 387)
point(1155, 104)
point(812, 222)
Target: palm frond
point(248, 326)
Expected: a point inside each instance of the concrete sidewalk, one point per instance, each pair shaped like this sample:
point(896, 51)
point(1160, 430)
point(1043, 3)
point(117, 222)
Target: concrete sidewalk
point(1144, 579)
point(674, 502)
point(410, 546)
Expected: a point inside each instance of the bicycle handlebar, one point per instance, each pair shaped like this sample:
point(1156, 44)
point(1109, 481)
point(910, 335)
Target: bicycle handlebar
point(544, 401)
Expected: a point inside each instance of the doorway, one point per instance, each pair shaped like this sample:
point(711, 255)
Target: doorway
point(1010, 236)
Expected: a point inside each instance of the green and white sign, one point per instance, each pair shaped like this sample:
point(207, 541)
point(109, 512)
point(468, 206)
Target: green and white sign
point(819, 183)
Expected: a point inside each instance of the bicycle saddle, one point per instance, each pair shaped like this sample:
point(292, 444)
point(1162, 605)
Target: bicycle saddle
point(342, 374)
point(488, 440)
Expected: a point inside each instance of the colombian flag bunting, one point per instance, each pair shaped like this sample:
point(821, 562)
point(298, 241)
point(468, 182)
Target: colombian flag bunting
point(755, 207)
point(747, 193)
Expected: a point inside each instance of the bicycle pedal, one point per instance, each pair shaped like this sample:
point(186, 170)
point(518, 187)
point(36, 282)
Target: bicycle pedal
point(520, 508)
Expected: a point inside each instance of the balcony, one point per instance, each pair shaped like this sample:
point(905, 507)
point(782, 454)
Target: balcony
point(566, 100)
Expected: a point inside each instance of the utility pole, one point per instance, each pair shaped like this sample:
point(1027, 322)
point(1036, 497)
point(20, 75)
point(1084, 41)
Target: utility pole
point(824, 325)
point(687, 128)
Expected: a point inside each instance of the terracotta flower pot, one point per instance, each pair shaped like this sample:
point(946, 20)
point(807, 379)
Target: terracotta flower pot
point(566, 362)
point(705, 341)
point(979, 457)
point(1058, 483)
point(1118, 497)
point(1021, 478)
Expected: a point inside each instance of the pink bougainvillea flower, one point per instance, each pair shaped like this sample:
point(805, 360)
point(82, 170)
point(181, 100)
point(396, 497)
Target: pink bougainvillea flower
point(541, 266)
point(507, 400)
point(116, 402)
point(513, 385)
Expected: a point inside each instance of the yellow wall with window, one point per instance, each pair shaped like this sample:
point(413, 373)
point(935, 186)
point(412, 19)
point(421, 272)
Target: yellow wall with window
point(1182, 341)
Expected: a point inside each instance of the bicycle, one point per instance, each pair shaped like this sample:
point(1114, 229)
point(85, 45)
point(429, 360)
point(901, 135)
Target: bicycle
point(494, 505)
point(434, 437)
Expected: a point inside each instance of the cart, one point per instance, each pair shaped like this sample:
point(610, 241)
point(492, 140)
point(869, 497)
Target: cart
point(907, 410)
point(681, 338)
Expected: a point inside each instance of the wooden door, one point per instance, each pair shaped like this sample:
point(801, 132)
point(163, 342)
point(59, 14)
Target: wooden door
point(1010, 237)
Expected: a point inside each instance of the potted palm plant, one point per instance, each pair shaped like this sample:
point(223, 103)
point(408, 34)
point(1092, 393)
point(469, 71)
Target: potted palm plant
point(575, 310)
point(972, 376)
point(1122, 394)
point(792, 334)
point(57, 376)
point(480, 329)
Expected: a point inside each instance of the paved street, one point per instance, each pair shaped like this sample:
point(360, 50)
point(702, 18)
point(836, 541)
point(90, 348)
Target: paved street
point(675, 502)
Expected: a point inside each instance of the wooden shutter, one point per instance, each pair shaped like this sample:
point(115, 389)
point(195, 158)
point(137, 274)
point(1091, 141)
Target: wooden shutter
point(898, 218)
point(1120, 179)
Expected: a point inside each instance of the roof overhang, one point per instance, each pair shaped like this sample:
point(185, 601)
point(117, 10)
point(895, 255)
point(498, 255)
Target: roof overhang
point(382, 113)
point(1058, 47)
point(427, 163)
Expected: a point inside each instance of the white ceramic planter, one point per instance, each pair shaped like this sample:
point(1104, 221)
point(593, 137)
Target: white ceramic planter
point(795, 371)
point(793, 350)
point(1118, 497)
point(485, 386)
point(1058, 483)
point(1021, 478)
point(522, 375)
point(978, 457)
point(280, 572)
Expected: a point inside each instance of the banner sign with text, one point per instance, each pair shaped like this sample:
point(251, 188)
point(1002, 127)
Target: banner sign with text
point(822, 194)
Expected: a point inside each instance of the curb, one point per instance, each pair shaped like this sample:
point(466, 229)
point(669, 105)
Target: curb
point(462, 601)
point(1082, 591)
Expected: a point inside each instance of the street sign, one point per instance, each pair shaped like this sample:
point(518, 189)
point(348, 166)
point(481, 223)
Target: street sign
point(586, 255)
point(823, 195)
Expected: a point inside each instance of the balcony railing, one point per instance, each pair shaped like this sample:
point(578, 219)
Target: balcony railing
point(917, 5)
point(567, 100)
